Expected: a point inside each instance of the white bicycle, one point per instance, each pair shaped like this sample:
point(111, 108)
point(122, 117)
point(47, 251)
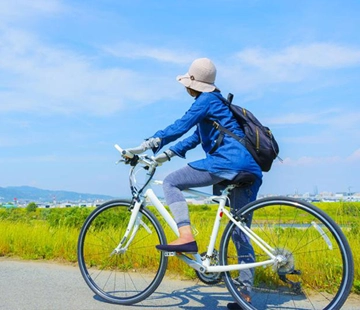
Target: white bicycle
point(119, 262)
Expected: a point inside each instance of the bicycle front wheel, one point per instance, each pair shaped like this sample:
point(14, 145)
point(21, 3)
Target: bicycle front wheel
point(315, 268)
point(132, 274)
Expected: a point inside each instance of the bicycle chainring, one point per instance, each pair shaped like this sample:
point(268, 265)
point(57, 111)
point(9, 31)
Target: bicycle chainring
point(210, 278)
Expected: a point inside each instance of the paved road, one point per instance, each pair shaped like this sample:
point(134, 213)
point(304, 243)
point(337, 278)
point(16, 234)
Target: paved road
point(32, 285)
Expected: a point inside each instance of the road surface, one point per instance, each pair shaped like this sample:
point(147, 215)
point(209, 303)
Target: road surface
point(33, 285)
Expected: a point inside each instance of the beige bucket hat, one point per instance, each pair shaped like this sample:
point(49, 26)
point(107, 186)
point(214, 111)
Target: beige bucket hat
point(201, 76)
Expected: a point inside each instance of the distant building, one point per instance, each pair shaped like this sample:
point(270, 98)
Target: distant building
point(8, 205)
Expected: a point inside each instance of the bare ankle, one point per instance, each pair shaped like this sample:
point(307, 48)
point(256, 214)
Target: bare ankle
point(186, 233)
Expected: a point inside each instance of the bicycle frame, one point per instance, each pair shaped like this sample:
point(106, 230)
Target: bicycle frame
point(199, 263)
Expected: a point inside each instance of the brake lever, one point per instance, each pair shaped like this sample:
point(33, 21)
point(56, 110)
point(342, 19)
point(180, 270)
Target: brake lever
point(128, 161)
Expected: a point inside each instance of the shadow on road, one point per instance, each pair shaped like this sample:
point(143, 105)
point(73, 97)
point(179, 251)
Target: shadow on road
point(192, 297)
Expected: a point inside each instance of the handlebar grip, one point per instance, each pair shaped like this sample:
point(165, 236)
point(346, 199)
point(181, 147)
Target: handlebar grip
point(136, 150)
point(118, 148)
point(124, 152)
point(130, 152)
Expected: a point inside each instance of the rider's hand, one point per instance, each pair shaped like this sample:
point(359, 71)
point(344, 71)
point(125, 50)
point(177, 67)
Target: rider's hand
point(163, 157)
point(151, 143)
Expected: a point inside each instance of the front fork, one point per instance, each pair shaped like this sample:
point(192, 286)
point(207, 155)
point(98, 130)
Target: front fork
point(132, 227)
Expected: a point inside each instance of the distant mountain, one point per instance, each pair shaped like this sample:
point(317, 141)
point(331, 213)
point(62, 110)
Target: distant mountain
point(29, 193)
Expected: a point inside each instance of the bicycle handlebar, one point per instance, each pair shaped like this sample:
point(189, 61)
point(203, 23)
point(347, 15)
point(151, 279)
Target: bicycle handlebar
point(129, 153)
point(151, 164)
point(131, 157)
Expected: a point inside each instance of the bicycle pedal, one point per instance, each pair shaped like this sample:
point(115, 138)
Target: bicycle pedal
point(170, 253)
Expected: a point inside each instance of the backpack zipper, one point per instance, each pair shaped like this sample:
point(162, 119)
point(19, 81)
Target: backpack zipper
point(257, 140)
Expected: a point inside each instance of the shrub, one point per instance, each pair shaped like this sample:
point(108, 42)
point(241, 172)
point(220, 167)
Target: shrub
point(31, 207)
point(349, 208)
point(69, 217)
point(357, 286)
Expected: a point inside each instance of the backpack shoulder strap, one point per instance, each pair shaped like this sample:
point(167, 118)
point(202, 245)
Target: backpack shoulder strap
point(227, 131)
point(224, 130)
point(229, 99)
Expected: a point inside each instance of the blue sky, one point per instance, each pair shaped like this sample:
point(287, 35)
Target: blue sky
point(76, 77)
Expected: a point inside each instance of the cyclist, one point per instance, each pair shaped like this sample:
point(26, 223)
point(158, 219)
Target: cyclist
point(222, 162)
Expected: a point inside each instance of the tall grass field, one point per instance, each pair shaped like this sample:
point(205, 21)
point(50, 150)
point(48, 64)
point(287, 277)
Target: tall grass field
point(52, 234)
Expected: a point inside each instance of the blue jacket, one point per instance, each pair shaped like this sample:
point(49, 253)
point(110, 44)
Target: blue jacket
point(230, 158)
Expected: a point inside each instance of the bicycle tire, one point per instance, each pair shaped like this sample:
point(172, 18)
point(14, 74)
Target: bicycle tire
point(124, 278)
point(304, 235)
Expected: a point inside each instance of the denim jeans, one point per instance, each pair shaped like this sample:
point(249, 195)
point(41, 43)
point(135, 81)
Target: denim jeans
point(239, 197)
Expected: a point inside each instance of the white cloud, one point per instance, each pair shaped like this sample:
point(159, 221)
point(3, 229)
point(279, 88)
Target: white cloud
point(355, 156)
point(253, 68)
point(314, 117)
point(53, 79)
point(308, 161)
point(316, 55)
point(292, 119)
point(312, 161)
point(37, 77)
point(349, 120)
point(13, 10)
point(138, 51)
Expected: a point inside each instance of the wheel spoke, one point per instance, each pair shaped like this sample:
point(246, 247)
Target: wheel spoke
point(316, 268)
point(122, 278)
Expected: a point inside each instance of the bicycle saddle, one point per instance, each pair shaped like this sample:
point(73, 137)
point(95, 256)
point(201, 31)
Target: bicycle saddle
point(242, 179)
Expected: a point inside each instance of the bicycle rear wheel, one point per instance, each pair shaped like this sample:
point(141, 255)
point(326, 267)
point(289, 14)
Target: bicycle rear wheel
point(317, 271)
point(132, 275)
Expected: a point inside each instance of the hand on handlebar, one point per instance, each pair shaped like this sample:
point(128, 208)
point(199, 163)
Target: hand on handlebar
point(163, 157)
point(151, 143)
point(130, 155)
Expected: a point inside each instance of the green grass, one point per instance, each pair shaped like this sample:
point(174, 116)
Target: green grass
point(51, 234)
